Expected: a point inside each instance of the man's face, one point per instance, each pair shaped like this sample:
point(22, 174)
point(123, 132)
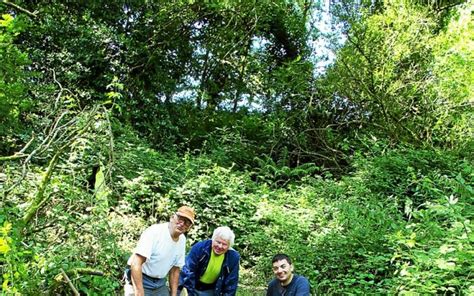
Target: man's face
point(220, 246)
point(180, 224)
point(282, 270)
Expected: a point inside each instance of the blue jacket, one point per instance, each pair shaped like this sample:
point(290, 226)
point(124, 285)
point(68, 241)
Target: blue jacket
point(196, 264)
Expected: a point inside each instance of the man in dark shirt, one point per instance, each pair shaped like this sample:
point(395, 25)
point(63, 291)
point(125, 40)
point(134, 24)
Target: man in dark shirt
point(286, 283)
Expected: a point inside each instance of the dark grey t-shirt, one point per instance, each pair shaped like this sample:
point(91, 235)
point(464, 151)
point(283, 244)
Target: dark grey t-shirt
point(299, 286)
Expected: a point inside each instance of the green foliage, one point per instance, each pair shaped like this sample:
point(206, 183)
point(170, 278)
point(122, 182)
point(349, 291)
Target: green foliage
point(161, 183)
point(363, 176)
point(453, 66)
point(391, 76)
point(13, 80)
point(69, 229)
point(344, 234)
point(72, 232)
point(353, 235)
point(433, 253)
point(408, 174)
point(383, 70)
point(278, 175)
point(355, 256)
point(220, 197)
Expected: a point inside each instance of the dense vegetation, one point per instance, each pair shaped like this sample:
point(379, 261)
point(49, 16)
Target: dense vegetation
point(358, 165)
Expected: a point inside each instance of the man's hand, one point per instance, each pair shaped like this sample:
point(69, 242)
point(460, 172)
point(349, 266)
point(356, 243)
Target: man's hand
point(174, 279)
point(137, 276)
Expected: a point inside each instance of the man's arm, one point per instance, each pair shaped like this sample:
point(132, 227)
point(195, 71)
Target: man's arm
point(174, 279)
point(137, 276)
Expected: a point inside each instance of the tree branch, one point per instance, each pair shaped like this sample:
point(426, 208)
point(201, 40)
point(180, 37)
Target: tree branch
point(40, 199)
point(19, 154)
point(89, 271)
point(13, 157)
point(74, 290)
point(17, 7)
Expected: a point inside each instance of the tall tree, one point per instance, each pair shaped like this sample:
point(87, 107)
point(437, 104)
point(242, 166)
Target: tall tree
point(384, 72)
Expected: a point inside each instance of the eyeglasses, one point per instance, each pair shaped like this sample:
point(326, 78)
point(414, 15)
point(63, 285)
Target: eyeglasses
point(183, 220)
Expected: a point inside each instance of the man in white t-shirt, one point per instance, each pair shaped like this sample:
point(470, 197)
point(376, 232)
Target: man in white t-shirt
point(160, 252)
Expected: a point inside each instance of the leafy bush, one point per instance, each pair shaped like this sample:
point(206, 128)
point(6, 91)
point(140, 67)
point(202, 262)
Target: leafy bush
point(342, 234)
point(434, 252)
point(453, 66)
point(279, 175)
point(72, 233)
point(13, 79)
point(355, 256)
point(406, 173)
point(156, 184)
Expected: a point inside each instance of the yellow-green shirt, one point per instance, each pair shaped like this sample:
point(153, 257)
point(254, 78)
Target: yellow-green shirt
point(213, 268)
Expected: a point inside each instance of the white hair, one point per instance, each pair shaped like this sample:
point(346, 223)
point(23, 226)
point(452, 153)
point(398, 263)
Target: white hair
point(224, 233)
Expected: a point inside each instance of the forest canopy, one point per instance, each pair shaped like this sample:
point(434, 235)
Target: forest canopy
point(339, 132)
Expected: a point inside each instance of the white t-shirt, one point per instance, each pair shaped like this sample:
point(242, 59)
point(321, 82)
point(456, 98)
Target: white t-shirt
point(160, 251)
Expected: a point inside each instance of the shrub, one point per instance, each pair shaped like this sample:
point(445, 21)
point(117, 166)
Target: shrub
point(433, 254)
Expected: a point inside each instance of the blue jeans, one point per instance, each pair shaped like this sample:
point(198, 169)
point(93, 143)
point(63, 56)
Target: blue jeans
point(152, 287)
point(205, 293)
point(199, 293)
point(155, 287)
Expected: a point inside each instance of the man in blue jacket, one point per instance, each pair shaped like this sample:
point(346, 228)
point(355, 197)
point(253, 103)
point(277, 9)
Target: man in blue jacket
point(212, 266)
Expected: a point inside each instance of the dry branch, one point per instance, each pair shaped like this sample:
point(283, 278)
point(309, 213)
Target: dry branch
point(70, 138)
point(74, 290)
